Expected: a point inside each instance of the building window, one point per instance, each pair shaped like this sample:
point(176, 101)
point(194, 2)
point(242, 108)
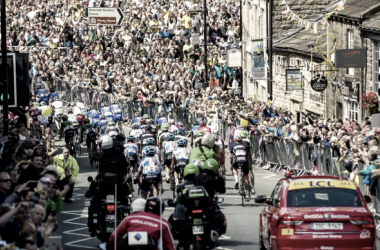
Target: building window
point(350, 45)
point(376, 50)
point(283, 64)
point(276, 61)
point(351, 110)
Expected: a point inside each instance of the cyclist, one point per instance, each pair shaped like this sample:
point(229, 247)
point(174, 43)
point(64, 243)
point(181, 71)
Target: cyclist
point(198, 137)
point(117, 113)
point(137, 117)
point(240, 157)
point(108, 115)
point(111, 129)
point(204, 128)
point(94, 115)
point(104, 109)
point(150, 171)
point(150, 143)
point(146, 135)
point(163, 134)
point(131, 150)
point(167, 151)
point(70, 131)
point(136, 132)
point(180, 125)
point(90, 132)
point(53, 94)
point(57, 106)
point(180, 158)
point(161, 119)
point(102, 125)
point(220, 143)
point(181, 135)
point(206, 150)
point(172, 127)
point(65, 122)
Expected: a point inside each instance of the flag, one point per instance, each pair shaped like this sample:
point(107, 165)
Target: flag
point(231, 137)
point(253, 64)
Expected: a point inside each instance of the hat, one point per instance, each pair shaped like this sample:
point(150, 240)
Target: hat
point(50, 168)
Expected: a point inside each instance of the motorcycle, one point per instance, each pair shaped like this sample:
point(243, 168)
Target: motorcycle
point(192, 220)
point(103, 212)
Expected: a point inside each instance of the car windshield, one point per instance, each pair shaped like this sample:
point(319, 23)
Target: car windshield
point(323, 197)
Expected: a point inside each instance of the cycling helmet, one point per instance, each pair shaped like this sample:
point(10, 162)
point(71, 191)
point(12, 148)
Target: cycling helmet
point(150, 151)
point(137, 114)
point(208, 140)
point(86, 121)
point(146, 116)
point(199, 133)
point(142, 121)
point(149, 122)
point(135, 126)
point(190, 171)
point(181, 131)
point(171, 122)
point(181, 143)
point(216, 137)
point(111, 123)
point(150, 141)
point(170, 137)
point(202, 123)
point(65, 118)
point(107, 142)
point(196, 123)
point(148, 127)
point(52, 90)
point(243, 134)
point(131, 138)
point(138, 205)
point(154, 205)
point(102, 117)
point(165, 127)
point(212, 165)
point(180, 124)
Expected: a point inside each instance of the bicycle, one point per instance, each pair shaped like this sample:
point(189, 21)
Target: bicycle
point(242, 185)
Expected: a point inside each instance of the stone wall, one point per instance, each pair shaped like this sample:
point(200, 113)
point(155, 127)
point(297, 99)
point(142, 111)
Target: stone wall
point(305, 9)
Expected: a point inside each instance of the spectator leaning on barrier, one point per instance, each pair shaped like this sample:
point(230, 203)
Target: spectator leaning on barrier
point(68, 169)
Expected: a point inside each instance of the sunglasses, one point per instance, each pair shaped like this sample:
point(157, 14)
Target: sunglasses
point(6, 180)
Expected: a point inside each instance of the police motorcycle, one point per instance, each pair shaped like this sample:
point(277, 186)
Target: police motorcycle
point(191, 221)
point(108, 202)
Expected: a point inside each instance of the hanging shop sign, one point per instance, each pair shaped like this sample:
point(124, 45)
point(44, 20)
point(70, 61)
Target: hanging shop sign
point(293, 79)
point(351, 58)
point(257, 59)
point(319, 83)
point(233, 58)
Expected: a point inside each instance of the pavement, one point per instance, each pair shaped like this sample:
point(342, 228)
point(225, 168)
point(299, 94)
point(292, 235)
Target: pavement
point(242, 222)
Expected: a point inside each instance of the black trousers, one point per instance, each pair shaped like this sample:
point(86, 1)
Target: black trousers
point(61, 185)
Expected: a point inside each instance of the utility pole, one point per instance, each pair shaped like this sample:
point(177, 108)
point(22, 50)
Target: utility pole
point(4, 66)
point(270, 48)
point(241, 47)
point(205, 42)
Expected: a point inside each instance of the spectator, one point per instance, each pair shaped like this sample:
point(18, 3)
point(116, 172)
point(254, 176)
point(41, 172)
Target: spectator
point(5, 186)
point(32, 172)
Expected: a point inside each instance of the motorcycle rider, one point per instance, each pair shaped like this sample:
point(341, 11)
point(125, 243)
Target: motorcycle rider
point(206, 150)
point(150, 221)
point(150, 172)
point(112, 161)
point(180, 158)
point(167, 151)
point(189, 173)
point(240, 156)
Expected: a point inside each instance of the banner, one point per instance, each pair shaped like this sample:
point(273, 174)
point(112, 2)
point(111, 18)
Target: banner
point(233, 58)
point(258, 67)
point(351, 58)
point(293, 79)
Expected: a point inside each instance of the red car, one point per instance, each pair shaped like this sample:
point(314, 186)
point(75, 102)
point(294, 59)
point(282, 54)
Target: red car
point(316, 212)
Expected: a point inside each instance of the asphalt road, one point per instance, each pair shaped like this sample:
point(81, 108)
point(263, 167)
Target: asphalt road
point(242, 222)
